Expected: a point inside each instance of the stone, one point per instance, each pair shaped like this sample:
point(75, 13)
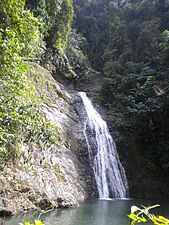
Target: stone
point(40, 179)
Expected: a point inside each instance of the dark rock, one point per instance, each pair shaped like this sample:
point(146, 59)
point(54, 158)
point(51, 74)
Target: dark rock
point(66, 203)
point(43, 204)
point(5, 213)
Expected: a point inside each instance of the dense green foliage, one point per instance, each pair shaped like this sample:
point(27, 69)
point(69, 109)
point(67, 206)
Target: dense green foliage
point(38, 31)
point(16, 47)
point(135, 61)
point(129, 42)
point(21, 41)
point(93, 27)
point(56, 17)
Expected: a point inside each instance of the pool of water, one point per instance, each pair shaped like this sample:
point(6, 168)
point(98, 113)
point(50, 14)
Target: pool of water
point(96, 212)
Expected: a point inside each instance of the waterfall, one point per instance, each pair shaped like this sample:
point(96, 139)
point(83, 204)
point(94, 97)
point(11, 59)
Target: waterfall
point(108, 171)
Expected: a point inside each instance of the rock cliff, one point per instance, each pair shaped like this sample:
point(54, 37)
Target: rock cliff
point(39, 179)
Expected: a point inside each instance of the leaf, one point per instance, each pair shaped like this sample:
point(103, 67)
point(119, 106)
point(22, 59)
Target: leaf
point(134, 217)
point(163, 219)
point(38, 222)
point(143, 219)
point(27, 223)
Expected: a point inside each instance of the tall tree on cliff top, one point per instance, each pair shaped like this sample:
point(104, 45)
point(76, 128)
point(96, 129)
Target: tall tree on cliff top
point(92, 26)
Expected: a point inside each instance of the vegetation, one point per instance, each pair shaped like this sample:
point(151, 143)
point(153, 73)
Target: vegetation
point(16, 46)
point(128, 41)
point(38, 31)
point(56, 17)
point(37, 222)
point(21, 41)
point(135, 62)
point(93, 27)
point(139, 215)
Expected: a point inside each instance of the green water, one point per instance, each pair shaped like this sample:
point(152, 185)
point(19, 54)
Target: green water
point(97, 212)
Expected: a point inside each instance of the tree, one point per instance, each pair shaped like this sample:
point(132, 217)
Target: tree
point(20, 42)
point(135, 65)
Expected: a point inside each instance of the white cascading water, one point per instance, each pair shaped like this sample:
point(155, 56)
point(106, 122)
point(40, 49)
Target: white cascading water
point(109, 173)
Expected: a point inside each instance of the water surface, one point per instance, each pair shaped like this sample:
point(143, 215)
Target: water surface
point(96, 212)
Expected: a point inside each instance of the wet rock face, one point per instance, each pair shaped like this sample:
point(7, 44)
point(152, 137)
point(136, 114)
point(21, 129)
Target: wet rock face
point(84, 156)
point(40, 179)
point(143, 183)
